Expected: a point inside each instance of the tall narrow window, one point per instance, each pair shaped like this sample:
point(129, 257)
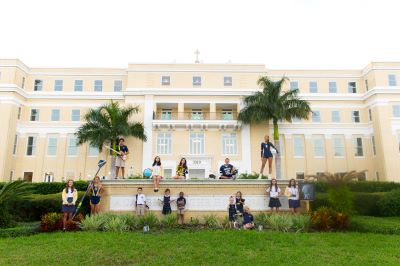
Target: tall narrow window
point(332, 87)
point(358, 147)
point(318, 146)
point(78, 85)
point(316, 116)
point(117, 85)
point(166, 114)
point(369, 114)
point(98, 85)
point(398, 140)
point(366, 85)
point(226, 114)
point(313, 87)
point(58, 85)
point(75, 115)
point(351, 87)
point(227, 81)
point(392, 80)
point(229, 144)
point(373, 145)
point(72, 146)
point(355, 116)
point(38, 85)
point(23, 82)
point(34, 115)
point(197, 114)
point(15, 144)
point(52, 146)
point(396, 110)
point(93, 151)
point(338, 146)
point(55, 115)
point(196, 143)
point(19, 113)
point(335, 116)
point(31, 146)
point(294, 85)
point(298, 145)
point(164, 143)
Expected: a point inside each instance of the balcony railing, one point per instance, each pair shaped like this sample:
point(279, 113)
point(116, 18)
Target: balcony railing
point(195, 116)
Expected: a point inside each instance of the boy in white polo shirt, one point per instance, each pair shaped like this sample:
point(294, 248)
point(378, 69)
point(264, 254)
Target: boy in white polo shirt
point(140, 202)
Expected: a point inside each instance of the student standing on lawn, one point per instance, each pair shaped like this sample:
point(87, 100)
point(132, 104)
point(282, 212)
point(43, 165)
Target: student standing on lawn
point(292, 192)
point(232, 211)
point(96, 189)
point(167, 202)
point(239, 202)
point(140, 202)
point(69, 197)
point(180, 204)
point(273, 191)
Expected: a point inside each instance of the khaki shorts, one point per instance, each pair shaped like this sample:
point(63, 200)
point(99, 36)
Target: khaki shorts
point(140, 209)
point(180, 211)
point(119, 162)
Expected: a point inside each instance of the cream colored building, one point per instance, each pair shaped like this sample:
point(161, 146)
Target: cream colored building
point(190, 110)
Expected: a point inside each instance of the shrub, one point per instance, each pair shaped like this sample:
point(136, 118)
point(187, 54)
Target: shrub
point(131, 221)
point(92, 223)
point(116, 224)
point(169, 221)
point(149, 219)
point(51, 222)
point(389, 204)
point(194, 222)
point(362, 186)
point(368, 224)
point(328, 219)
point(211, 221)
point(21, 230)
point(340, 198)
point(6, 220)
point(45, 188)
point(279, 222)
point(253, 175)
point(261, 219)
point(301, 223)
point(225, 222)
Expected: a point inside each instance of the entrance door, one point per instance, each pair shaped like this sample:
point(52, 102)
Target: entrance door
point(28, 176)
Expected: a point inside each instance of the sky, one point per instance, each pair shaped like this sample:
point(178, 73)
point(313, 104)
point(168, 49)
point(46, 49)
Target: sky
point(282, 34)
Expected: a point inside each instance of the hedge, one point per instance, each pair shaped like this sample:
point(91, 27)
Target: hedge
point(45, 188)
point(363, 186)
point(21, 230)
point(32, 208)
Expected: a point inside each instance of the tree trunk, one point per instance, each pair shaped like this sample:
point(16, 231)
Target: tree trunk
point(113, 159)
point(278, 147)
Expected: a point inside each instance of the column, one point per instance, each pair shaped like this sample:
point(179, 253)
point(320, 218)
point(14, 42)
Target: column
point(181, 110)
point(246, 153)
point(213, 111)
point(148, 128)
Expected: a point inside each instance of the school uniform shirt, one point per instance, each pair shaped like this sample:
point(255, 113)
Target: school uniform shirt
point(157, 170)
point(292, 193)
point(69, 194)
point(273, 193)
point(226, 170)
point(181, 203)
point(247, 218)
point(140, 199)
point(122, 148)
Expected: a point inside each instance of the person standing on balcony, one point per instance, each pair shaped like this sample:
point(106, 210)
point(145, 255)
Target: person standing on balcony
point(181, 170)
point(266, 156)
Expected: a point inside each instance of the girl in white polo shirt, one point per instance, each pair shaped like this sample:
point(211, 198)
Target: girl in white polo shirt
point(292, 192)
point(273, 191)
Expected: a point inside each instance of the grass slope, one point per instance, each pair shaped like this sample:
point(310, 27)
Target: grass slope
point(201, 248)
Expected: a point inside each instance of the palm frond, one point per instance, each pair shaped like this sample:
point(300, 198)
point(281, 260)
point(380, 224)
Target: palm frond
point(14, 190)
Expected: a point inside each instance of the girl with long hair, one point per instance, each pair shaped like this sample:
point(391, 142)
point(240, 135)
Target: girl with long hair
point(273, 191)
point(292, 192)
point(266, 155)
point(69, 196)
point(181, 170)
point(157, 172)
point(96, 191)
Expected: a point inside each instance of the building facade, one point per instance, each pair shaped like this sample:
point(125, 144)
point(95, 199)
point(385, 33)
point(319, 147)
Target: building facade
point(190, 110)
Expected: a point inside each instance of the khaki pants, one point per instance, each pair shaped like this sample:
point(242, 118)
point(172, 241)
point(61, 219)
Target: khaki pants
point(140, 210)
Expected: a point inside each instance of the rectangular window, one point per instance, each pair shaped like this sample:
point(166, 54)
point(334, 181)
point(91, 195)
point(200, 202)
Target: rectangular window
point(396, 110)
point(196, 143)
point(52, 146)
point(35, 115)
point(58, 85)
point(19, 113)
point(93, 151)
point(98, 85)
point(229, 144)
point(31, 146)
point(38, 85)
point(377, 175)
point(373, 145)
point(299, 175)
point(392, 80)
point(298, 145)
point(55, 115)
point(226, 114)
point(294, 85)
point(196, 81)
point(166, 80)
point(332, 87)
point(117, 85)
point(197, 114)
point(296, 120)
point(23, 82)
point(398, 140)
point(366, 85)
point(351, 87)
point(164, 143)
point(76, 115)
point(355, 116)
point(335, 116)
point(78, 85)
point(358, 147)
point(166, 114)
point(370, 114)
point(338, 146)
point(313, 87)
point(316, 116)
point(318, 146)
point(227, 81)
point(15, 144)
point(72, 146)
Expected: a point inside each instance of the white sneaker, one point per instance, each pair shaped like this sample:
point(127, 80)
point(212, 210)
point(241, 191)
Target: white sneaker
point(259, 176)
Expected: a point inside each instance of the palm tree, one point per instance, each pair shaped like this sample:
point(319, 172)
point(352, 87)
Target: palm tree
point(272, 103)
point(105, 124)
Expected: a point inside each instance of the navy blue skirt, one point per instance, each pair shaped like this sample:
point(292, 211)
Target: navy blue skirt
point(274, 203)
point(166, 209)
point(68, 208)
point(294, 203)
point(94, 200)
point(267, 154)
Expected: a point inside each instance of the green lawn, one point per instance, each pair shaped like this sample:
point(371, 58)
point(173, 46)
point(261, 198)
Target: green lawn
point(201, 248)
